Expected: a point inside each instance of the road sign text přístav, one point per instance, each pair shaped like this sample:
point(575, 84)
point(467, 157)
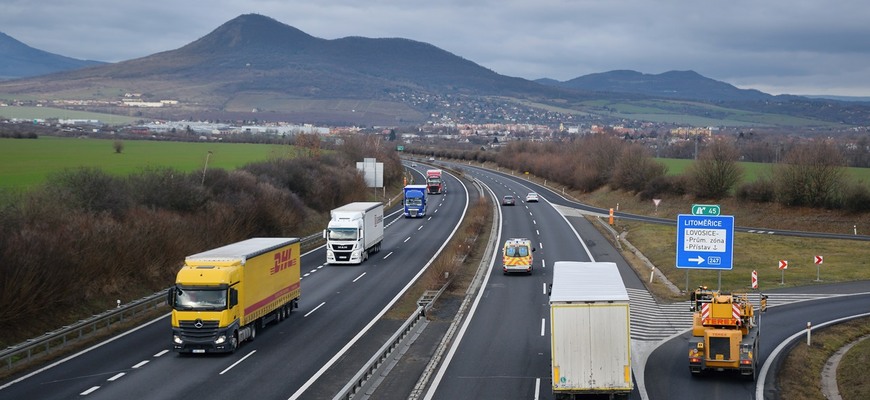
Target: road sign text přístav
point(705, 241)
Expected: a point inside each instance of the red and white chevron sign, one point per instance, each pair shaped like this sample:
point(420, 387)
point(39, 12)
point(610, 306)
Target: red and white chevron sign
point(819, 259)
point(783, 264)
point(754, 279)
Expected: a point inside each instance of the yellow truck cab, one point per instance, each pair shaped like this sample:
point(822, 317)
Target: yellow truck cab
point(517, 255)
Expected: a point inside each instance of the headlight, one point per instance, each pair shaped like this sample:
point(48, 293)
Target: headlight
point(176, 339)
point(221, 339)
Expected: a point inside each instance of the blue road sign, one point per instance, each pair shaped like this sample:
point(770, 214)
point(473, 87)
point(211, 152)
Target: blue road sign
point(705, 241)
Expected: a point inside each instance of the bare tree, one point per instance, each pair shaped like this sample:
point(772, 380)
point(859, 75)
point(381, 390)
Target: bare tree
point(716, 171)
point(118, 146)
point(811, 174)
point(635, 168)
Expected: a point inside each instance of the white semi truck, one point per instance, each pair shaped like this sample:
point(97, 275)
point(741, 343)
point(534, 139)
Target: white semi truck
point(355, 231)
point(590, 338)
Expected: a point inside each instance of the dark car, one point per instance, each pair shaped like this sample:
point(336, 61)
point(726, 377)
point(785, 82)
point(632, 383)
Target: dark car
point(508, 200)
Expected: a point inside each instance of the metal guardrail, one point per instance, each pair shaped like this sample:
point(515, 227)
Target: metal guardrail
point(43, 345)
point(384, 354)
point(28, 350)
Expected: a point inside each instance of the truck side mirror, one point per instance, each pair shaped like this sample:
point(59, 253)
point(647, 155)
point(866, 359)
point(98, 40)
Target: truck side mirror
point(170, 297)
point(234, 297)
point(324, 233)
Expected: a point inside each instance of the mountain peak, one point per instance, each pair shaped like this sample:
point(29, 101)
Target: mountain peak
point(251, 30)
point(21, 60)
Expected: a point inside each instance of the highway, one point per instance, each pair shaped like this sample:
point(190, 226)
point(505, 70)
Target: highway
point(338, 305)
point(501, 351)
point(504, 350)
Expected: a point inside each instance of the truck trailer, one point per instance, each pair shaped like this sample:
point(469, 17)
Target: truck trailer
point(434, 181)
point(590, 338)
point(222, 296)
point(415, 201)
point(355, 231)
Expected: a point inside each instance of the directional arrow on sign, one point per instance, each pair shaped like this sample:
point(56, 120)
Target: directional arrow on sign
point(698, 259)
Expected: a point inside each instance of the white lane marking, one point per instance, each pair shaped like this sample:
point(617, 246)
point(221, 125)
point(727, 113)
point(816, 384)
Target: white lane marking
point(388, 255)
point(537, 388)
point(430, 218)
point(543, 325)
point(315, 309)
point(538, 232)
point(543, 263)
point(406, 240)
point(540, 245)
point(320, 267)
point(357, 278)
point(43, 369)
point(534, 222)
point(140, 364)
point(305, 276)
point(421, 227)
point(237, 362)
point(89, 391)
point(545, 287)
point(312, 271)
point(116, 377)
point(161, 353)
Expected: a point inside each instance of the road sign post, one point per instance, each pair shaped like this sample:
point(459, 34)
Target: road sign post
point(783, 265)
point(705, 241)
point(818, 260)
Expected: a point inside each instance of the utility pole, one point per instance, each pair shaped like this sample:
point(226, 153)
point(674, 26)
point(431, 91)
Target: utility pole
point(207, 156)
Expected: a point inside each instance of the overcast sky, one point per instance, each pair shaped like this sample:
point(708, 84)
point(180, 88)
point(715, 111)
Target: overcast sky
point(777, 46)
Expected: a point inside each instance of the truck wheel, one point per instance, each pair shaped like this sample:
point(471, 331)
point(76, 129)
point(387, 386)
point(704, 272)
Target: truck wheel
point(253, 331)
point(234, 342)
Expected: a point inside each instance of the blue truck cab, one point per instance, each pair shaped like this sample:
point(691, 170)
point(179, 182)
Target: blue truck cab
point(414, 201)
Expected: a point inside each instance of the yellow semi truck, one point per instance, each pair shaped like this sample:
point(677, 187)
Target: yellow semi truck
point(725, 332)
point(222, 296)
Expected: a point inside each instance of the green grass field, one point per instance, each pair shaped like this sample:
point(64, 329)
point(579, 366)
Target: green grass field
point(29, 113)
point(752, 170)
point(28, 162)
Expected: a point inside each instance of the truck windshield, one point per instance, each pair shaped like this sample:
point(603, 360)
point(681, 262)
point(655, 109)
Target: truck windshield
point(200, 299)
point(414, 201)
point(343, 234)
point(434, 180)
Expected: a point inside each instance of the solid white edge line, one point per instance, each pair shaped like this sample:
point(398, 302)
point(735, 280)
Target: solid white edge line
point(82, 352)
point(759, 385)
point(433, 386)
point(374, 320)
point(237, 362)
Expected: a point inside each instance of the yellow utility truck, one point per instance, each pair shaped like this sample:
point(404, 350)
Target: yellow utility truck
point(724, 333)
point(222, 296)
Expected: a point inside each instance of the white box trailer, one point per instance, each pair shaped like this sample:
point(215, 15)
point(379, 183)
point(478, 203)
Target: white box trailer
point(355, 231)
point(590, 338)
